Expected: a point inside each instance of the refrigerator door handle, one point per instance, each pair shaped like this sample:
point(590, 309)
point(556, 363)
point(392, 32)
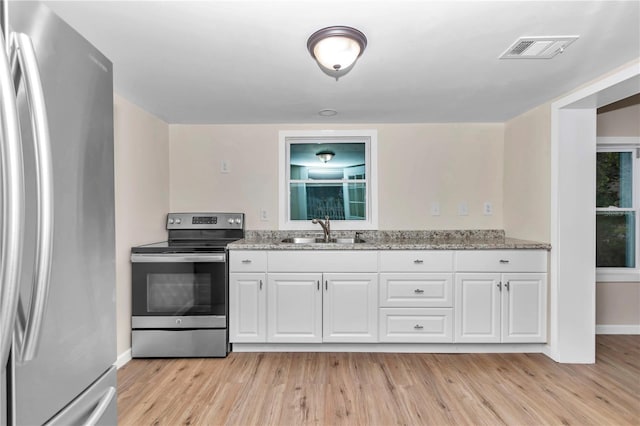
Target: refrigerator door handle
point(25, 69)
point(12, 214)
point(102, 406)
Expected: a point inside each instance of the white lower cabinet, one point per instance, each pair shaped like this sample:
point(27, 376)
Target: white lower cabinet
point(428, 296)
point(247, 307)
point(494, 307)
point(315, 307)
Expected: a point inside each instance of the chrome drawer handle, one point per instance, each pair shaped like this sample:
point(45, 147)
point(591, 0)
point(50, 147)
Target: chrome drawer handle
point(418, 291)
point(504, 261)
point(418, 327)
point(418, 261)
point(246, 261)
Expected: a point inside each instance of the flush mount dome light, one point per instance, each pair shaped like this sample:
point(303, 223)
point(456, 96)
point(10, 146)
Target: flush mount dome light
point(325, 155)
point(336, 49)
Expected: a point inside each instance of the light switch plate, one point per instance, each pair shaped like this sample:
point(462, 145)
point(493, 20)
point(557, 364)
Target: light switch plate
point(463, 209)
point(435, 208)
point(225, 166)
point(264, 215)
point(487, 209)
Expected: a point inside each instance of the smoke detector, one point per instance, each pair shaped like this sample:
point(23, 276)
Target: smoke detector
point(542, 47)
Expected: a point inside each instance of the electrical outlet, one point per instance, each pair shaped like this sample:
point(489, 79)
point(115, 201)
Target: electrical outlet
point(463, 209)
point(435, 208)
point(225, 166)
point(488, 208)
point(264, 215)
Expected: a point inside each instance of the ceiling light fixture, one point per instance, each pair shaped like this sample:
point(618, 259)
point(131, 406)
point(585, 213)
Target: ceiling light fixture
point(325, 155)
point(336, 49)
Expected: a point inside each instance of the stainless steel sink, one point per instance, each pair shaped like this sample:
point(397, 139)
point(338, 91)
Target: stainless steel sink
point(313, 240)
point(302, 240)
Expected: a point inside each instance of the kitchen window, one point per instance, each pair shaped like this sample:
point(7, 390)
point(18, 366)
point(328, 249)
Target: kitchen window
point(328, 173)
point(617, 209)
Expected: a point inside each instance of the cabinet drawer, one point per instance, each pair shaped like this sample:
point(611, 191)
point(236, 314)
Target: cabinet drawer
point(323, 261)
point(501, 261)
point(413, 325)
point(247, 261)
point(416, 261)
point(416, 290)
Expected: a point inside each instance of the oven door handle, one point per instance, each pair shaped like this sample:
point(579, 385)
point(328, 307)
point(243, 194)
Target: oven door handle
point(177, 258)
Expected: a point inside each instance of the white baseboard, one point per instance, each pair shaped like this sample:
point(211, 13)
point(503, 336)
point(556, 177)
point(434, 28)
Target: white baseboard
point(618, 329)
point(123, 358)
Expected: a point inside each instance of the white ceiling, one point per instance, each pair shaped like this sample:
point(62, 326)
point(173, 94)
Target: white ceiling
point(427, 61)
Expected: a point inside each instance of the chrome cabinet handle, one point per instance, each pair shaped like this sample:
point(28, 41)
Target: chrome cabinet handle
point(246, 260)
point(12, 214)
point(499, 285)
point(418, 291)
point(260, 284)
point(102, 406)
point(418, 261)
point(23, 58)
point(418, 327)
point(318, 285)
point(504, 261)
point(507, 285)
point(326, 285)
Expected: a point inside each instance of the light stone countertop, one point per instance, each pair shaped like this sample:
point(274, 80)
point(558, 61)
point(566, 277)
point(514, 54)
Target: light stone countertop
point(390, 240)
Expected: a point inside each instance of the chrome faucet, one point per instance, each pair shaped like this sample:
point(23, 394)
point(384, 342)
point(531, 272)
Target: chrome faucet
point(326, 227)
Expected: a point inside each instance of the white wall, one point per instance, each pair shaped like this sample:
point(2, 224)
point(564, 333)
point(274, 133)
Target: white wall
point(141, 196)
point(417, 163)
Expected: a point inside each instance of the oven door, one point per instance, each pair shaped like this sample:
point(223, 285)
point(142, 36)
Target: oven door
point(179, 290)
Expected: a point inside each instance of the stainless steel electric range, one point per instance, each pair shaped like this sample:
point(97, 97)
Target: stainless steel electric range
point(180, 288)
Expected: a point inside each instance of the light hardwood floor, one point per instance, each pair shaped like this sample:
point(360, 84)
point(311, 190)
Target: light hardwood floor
point(384, 389)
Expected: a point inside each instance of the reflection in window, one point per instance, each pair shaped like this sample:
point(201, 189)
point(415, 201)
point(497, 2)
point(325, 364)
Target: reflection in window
point(327, 179)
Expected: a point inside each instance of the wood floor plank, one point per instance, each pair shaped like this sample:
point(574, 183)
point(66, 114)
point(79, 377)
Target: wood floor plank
point(384, 389)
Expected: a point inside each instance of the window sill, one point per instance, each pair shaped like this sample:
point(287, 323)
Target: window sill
point(617, 275)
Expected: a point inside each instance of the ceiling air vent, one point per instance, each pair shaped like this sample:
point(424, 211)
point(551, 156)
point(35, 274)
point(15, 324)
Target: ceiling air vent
point(544, 47)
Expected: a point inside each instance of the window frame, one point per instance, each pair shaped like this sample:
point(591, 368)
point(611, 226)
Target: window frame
point(368, 136)
point(623, 144)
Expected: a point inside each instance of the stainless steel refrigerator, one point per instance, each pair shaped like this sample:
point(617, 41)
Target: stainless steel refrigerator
point(57, 251)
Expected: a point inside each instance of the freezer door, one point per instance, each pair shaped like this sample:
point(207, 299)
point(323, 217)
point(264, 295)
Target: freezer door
point(78, 334)
point(95, 406)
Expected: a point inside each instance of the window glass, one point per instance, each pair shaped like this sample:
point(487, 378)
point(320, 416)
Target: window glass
point(614, 179)
point(615, 239)
point(327, 179)
point(616, 208)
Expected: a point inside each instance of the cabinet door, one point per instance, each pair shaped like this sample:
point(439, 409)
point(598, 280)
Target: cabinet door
point(247, 307)
point(477, 308)
point(524, 307)
point(294, 308)
point(350, 308)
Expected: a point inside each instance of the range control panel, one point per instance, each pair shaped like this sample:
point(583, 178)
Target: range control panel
point(205, 221)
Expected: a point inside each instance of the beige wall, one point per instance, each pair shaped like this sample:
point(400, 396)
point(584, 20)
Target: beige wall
point(142, 197)
point(618, 303)
point(527, 175)
point(417, 164)
point(620, 122)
